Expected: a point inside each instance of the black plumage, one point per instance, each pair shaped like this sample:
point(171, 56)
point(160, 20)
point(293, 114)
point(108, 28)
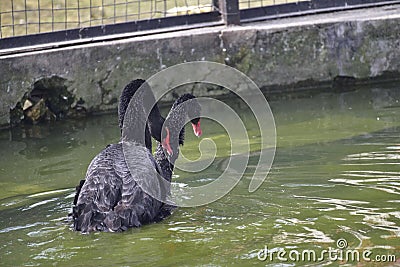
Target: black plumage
point(109, 199)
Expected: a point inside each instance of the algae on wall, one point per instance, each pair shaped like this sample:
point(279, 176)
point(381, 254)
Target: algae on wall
point(95, 74)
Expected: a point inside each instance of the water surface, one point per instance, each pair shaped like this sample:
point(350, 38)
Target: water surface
point(336, 175)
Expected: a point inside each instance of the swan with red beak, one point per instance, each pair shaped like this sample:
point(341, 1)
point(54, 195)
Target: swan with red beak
point(189, 107)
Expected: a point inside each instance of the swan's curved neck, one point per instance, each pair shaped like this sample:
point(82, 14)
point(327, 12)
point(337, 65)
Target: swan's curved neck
point(176, 118)
point(134, 127)
point(138, 103)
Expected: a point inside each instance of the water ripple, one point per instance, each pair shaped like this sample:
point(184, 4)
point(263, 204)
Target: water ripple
point(20, 227)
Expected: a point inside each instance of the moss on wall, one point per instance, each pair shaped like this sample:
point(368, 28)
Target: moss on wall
point(279, 57)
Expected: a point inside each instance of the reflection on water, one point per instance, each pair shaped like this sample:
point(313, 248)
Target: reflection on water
point(336, 175)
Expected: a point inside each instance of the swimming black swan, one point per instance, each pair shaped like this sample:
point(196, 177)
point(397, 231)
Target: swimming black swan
point(109, 198)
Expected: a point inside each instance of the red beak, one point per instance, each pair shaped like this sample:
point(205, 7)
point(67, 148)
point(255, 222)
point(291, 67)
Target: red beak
point(165, 143)
point(196, 129)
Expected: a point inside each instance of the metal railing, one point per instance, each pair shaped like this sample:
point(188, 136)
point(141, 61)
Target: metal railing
point(22, 17)
point(32, 22)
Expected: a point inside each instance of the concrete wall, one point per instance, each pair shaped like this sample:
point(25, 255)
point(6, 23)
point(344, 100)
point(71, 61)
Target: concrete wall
point(361, 44)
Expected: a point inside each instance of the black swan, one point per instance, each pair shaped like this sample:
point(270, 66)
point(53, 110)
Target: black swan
point(109, 199)
point(171, 142)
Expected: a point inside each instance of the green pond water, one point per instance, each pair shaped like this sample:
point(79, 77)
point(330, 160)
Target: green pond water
point(336, 175)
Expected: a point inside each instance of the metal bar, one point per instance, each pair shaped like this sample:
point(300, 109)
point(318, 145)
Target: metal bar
point(90, 13)
point(230, 11)
point(65, 15)
point(12, 17)
point(79, 14)
point(138, 15)
point(26, 18)
point(126, 10)
point(102, 12)
point(39, 14)
point(52, 15)
point(115, 10)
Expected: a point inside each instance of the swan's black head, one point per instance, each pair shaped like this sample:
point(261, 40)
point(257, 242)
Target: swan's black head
point(193, 112)
point(126, 95)
point(173, 127)
point(154, 121)
point(137, 112)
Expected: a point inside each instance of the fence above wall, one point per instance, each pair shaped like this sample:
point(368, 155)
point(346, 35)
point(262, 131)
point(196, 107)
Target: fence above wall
point(33, 22)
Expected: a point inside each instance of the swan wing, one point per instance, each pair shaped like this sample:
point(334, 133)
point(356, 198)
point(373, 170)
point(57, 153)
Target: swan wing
point(101, 190)
point(137, 206)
